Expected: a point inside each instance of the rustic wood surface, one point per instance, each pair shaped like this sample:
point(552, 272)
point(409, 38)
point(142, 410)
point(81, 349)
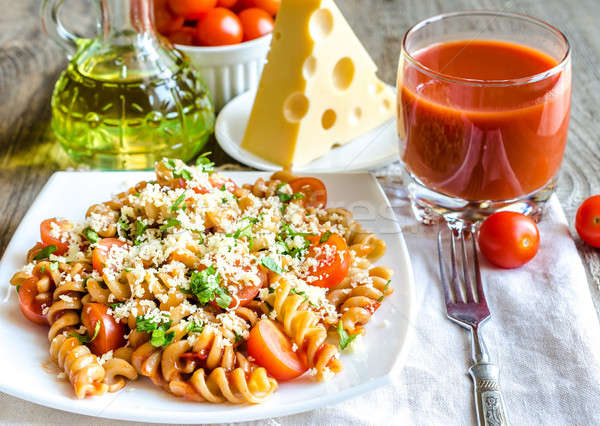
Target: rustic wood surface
point(30, 64)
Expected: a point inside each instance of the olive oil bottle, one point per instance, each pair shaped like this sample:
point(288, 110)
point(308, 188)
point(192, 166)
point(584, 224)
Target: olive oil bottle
point(127, 98)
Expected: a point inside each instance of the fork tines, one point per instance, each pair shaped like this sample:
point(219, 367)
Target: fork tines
point(468, 283)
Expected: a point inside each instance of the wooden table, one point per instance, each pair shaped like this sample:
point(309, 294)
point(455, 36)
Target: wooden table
point(30, 63)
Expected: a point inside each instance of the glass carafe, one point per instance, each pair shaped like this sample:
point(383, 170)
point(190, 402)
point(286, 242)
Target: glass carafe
point(127, 98)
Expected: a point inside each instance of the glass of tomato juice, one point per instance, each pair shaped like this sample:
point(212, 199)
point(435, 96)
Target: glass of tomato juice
point(483, 112)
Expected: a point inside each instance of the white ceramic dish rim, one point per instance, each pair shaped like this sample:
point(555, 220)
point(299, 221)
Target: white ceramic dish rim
point(58, 401)
point(226, 48)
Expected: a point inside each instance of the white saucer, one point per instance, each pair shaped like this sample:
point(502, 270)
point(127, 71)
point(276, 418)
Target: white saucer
point(369, 151)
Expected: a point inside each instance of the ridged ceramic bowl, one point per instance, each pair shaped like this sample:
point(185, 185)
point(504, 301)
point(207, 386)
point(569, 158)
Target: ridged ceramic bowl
point(229, 70)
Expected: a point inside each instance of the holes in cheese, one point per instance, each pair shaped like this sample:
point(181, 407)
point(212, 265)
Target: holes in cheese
point(310, 67)
point(321, 24)
point(343, 73)
point(355, 116)
point(328, 119)
point(386, 105)
point(295, 107)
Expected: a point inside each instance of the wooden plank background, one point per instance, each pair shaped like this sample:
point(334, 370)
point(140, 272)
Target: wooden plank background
point(30, 64)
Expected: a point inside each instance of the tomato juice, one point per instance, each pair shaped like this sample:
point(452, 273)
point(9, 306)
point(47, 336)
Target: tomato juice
point(483, 119)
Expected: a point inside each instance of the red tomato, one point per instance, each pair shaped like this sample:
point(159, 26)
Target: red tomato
point(246, 293)
point(272, 349)
point(271, 6)
point(332, 267)
point(164, 19)
point(509, 239)
point(219, 27)
point(255, 23)
point(314, 190)
point(191, 9)
point(100, 253)
point(226, 3)
point(185, 36)
point(48, 240)
point(110, 334)
point(32, 306)
point(587, 221)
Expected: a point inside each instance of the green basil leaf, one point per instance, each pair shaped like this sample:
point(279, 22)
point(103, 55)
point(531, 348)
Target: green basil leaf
point(325, 237)
point(345, 339)
point(96, 330)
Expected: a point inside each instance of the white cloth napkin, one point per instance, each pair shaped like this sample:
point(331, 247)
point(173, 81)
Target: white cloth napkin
point(544, 335)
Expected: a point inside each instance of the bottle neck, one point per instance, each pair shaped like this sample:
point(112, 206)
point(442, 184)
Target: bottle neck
point(123, 20)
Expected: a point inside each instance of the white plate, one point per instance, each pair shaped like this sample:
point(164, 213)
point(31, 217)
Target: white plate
point(369, 151)
point(25, 346)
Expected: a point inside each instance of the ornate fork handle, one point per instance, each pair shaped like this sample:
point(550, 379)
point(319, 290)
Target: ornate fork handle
point(488, 398)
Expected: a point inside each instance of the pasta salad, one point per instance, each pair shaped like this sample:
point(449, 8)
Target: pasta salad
point(216, 292)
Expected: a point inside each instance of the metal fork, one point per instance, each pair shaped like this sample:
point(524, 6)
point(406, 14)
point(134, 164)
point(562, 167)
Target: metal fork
point(471, 314)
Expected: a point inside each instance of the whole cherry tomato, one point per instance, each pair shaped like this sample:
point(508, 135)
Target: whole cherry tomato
point(110, 332)
point(226, 3)
point(509, 239)
point(191, 9)
point(587, 221)
point(165, 20)
point(272, 349)
point(255, 23)
point(184, 35)
point(271, 6)
point(219, 27)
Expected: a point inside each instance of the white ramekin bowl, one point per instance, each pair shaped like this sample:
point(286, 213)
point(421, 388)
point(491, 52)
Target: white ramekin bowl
point(229, 70)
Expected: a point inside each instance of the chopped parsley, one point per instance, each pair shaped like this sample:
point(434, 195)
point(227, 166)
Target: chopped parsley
point(299, 293)
point(171, 222)
point(205, 285)
point(85, 338)
point(194, 327)
point(223, 188)
point(204, 162)
point(160, 336)
point(238, 337)
point(184, 173)
point(45, 252)
point(385, 289)
point(177, 204)
point(285, 197)
point(115, 305)
point(345, 339)
point(269, 263)
point(325, 237)
point(91, 235)
point(18, 287)
point(43, 269)
point(140, 227)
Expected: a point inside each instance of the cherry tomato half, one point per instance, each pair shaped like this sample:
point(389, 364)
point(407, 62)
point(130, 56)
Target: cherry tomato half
point(272, 349)
point(110, 332)
point(332, 266)
point(31, 304)
point(46, 232)
point(219, 27)
point(587, 221)
point(509, 239)
point(314, 190)
point(271, 6)
point(184, 35)
point(191, 9)
point(255, 23)
point(164, 19)
point(100, 253)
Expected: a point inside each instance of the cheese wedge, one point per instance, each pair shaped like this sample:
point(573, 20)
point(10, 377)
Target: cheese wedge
point(318, 89)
